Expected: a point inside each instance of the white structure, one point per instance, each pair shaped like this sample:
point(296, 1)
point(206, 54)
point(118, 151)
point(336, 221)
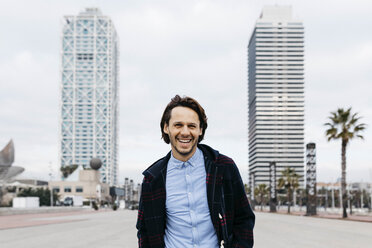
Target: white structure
point(276, 93)
point(90, 86)
point(26, 202)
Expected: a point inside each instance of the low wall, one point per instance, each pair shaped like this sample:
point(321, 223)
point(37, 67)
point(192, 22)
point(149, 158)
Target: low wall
point(15, 211)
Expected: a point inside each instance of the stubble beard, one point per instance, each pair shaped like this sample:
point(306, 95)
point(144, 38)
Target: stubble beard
point(186, 153)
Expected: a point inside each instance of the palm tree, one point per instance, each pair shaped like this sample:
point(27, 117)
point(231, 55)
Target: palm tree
point(289, 181)
point(344, 125)
point(261, 191)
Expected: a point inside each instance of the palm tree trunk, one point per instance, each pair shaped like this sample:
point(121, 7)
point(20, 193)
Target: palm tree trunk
point(343, 178)
point(289, 201)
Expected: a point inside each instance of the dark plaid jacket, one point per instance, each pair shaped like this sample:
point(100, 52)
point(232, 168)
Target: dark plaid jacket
point(229, 208)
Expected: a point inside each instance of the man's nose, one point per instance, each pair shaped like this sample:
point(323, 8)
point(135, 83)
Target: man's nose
point(185, 130)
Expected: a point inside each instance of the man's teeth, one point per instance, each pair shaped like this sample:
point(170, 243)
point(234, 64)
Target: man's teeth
point(184, 141)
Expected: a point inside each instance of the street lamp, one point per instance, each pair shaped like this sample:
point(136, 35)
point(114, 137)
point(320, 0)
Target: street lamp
point(50, 179)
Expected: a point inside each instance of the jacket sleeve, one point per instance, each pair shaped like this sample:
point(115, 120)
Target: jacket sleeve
point(141, 228)
point(244, 217)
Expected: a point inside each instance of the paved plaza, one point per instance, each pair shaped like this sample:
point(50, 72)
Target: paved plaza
point(93, 229)
point(114, 229)
point(282, 230)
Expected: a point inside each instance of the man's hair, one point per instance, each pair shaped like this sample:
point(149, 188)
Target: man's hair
point(187, 102)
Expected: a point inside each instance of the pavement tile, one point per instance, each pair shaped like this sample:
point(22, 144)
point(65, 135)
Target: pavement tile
point(27, 220)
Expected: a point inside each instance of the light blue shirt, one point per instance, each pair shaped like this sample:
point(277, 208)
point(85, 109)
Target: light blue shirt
point(189, 224)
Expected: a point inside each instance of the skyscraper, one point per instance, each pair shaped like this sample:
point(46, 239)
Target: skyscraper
point(276, 94)
point(89, 98)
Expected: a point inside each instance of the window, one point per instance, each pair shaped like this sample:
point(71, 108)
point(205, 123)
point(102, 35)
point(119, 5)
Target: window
point(79, 189)
point(67, 189)
point(55, 189)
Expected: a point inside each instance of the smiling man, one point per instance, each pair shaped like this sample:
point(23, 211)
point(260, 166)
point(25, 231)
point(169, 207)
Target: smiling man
point(194, 196)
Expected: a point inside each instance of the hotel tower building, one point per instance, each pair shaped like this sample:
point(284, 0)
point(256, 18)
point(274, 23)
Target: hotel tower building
point(276, 94)
point(89, 92)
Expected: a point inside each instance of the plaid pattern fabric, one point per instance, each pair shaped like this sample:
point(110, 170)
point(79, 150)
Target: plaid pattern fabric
point(232, 216)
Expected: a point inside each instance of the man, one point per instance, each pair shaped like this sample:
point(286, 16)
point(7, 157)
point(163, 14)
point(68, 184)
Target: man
point(194, 196)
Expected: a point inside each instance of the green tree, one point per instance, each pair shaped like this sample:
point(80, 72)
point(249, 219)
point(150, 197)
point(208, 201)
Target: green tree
point(261, 192)
point(344, 125)
point(288, 181)
point(43, 194)
point(68, 169)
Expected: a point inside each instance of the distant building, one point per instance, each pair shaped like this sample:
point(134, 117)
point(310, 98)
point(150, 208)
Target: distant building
point(128, 189)
point(13, 188)
point(360, 186)
point(117, 195)
point(276, 94)
point(84, 183)
point(34, 182)
point(89, 92)
point(356, 186)
point(320, 185)
point(132, 193)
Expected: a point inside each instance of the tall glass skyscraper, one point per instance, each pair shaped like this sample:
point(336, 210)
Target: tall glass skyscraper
point(276, 94)
point(89, 98)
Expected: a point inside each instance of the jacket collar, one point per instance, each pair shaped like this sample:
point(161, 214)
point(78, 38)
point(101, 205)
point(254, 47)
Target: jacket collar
point(157, 168)
point(208, 152)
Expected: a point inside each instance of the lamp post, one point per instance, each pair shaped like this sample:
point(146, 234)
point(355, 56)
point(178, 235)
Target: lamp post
point(333, 197)
point(361, 200)
point(50, 179)
point(340, 193)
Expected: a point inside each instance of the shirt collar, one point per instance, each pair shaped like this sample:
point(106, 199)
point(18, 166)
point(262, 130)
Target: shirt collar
point(192, 161)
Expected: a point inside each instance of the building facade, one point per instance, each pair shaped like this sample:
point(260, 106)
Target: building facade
point(88, 186)
point(276, 94)
point(89, 92)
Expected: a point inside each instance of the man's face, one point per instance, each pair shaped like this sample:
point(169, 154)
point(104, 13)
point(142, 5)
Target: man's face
point(183, 131)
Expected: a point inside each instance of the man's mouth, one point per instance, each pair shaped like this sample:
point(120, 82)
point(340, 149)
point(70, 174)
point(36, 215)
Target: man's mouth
point(184, 141)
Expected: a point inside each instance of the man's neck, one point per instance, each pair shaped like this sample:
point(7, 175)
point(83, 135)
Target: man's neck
point(181, 157)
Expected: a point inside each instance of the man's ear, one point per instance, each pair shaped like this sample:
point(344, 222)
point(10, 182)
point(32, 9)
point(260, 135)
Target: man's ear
point(165, 128)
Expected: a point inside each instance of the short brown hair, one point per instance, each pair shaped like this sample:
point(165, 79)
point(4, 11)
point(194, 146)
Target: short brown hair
point(183, 102)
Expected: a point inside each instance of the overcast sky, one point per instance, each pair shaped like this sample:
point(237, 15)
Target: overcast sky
point(191, 47)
